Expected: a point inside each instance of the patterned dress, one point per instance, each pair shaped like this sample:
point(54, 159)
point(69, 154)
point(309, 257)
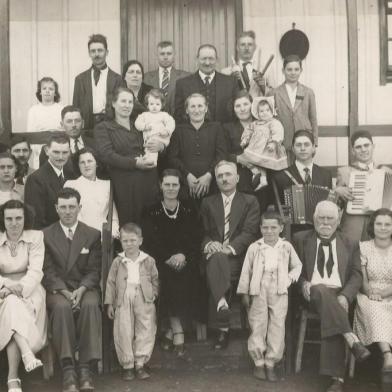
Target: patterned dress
point(373, 319)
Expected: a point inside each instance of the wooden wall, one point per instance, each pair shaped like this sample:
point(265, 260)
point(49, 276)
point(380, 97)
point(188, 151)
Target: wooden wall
point(49, 38)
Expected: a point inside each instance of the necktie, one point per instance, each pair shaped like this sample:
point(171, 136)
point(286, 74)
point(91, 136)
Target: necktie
point(61, 178)
point(207, 81)
point(76, 145)
point(226, 207)
point(96, 75)
point(70, 234)
point(308, 179)
point(245, 75)
point(165, 81)
point(321, 257)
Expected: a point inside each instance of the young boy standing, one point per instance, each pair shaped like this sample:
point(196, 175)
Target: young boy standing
point(270, 266)
point(131, 289)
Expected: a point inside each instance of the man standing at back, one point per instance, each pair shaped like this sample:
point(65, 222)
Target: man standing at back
point(94, 87)
point(219, 89)
point(166, 75)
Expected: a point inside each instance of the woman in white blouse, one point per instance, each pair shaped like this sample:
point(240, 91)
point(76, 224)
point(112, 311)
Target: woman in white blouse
point(22, 298)
point(94, 192)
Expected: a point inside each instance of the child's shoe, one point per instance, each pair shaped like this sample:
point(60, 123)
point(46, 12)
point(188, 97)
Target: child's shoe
point(128, 374)
point(259, 372)
point(271, 374)
point(142, 374)
point(259, 181)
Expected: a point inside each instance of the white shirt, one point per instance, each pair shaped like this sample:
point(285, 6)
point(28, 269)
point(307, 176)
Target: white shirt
point(203, 76)
point(300, 166)
point(99, 91)
point(66, 229)
point(133, 267)
point(44, 117)
point(72, 144)
point(271, 255)
point(366, 166)
point(161, 70)
point(56, 170)
point(292, 93)
point(334, 279)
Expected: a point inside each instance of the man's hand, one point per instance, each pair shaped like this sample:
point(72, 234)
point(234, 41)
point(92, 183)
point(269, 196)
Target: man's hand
point(344, 192)
point(176, 261)
point(77, 296)
point(192, 184)
point(236, 71)
point(203, 185)
point(343, 302)
point(110, 312)
point(214, 247)
point(227, 250)
point(14, 287)
point(306, 290)
point(245, 300)
point(259, 80)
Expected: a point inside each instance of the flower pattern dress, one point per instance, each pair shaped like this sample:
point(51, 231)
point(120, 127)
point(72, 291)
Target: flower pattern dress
point(373, 319)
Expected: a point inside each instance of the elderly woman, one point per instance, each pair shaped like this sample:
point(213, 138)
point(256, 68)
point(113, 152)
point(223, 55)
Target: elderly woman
point(9, 189)
point(133, 74)
point(373, 313)
point(196, 147)
point(120, 148)
point(172, 237)
point(22, 298)
point(94, 192)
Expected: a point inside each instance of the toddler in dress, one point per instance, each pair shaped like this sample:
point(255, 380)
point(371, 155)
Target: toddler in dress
point(262, 142)
point(155, 124)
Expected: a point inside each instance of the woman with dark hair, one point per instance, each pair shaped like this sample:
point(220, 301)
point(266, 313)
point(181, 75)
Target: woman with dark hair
point(120, 148)
point(133, 74)
point(171, 234)
point(22, 298)
point(94, 192)
point(373, 313)
point(9, 189)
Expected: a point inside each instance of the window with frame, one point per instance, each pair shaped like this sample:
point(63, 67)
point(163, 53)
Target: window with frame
point(385, 10)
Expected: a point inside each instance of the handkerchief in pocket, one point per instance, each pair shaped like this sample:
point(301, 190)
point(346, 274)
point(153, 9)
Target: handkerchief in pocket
point(84, 251)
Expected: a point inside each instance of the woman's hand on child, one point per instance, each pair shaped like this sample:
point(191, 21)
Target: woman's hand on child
point(154, 145)
point(4, 292)
point(142, 164)
point(110, 312)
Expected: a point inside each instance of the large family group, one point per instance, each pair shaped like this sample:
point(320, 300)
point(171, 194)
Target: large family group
point(199, 164)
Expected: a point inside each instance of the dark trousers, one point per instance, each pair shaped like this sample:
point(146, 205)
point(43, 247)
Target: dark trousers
point(221, 271)
point(334, 323)
point(71, 332)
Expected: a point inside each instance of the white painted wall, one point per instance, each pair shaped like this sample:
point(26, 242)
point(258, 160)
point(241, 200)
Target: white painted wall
point(49, 38)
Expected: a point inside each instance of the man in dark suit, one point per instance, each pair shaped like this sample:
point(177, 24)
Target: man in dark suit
point(43, 185)
point(72, 123)
point(72, 268)
point(330, 280)
point(94, 88)
point(230, 223)
point(166, 75)
point(219, 89)
point(303, 170)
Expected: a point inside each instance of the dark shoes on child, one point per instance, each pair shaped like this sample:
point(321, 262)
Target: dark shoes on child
point(130, 374)
point(265, 373)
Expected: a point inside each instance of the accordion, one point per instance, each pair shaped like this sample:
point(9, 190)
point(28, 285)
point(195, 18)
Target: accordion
point(301, 201)
point(371, 191)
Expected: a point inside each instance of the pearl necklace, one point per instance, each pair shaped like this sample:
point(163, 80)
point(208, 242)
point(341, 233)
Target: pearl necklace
point(175, 213)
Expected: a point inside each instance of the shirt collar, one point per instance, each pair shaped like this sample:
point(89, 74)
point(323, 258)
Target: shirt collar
point(56, 170)
point(66, 229)
point(264, 245)
point(25, 237)
point(203, 76)
point(301, 167)
point(241, 62)
point(161, 70)
point(229, 198)
point(369, 166)
point(139, 259)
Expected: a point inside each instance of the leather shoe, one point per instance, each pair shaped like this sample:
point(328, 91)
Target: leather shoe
point(142, 374)
point(259, 372)
point(70, 383)
point(85, 380)
point(128, 374)
point(360, 352)
point(336, 386)
point(222, 340)
point(271, 374)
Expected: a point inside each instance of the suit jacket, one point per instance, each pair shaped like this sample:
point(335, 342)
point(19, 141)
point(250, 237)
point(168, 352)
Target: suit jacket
point(67, 266)
point(244, 221)
point(226, 88)
point(41, 191)
point(303, 116)
point(320, 176)
point(83, 94)
point(152, 78)
point(349, 262)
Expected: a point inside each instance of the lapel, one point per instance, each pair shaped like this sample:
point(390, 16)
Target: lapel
point(51, 177)
point(310, 250)
point(218, 213)
point(172, 80)
point(61, 243)
point(295, 173)
point(285, 97)
point(300, 93)
point(76, 246)
point(235, 213)
point(342, 256)
point(219, 91)
point(154, 79)
point(89, 89)
point(109, 81)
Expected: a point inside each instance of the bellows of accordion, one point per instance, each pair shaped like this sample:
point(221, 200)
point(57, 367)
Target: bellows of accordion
point(302, 200)
point(371, 191)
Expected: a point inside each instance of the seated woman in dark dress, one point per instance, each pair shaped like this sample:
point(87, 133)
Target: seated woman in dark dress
point(171, 236)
